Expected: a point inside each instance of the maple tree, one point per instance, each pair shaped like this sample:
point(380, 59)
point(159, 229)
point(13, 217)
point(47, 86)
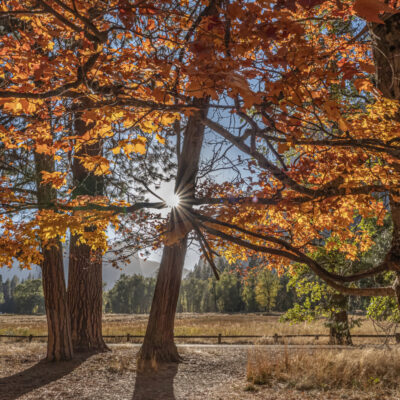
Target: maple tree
point(52, 224)
point(65, 58)
point(281, 72)
point(307, 122)
point(85, 285)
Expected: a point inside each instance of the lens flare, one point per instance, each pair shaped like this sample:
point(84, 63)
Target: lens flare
point(173, 200)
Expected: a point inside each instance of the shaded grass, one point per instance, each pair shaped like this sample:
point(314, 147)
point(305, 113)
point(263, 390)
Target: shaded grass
point(369, 369)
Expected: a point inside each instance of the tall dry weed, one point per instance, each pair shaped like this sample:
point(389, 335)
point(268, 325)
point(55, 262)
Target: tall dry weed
point(326, 369)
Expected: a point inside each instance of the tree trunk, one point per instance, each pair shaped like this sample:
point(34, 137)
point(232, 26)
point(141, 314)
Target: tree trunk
point(339, 331)
point(158, 345)
point(85, 298)
point(85, 284)
point(339, 328)
point(59, 344)
point(386, 52)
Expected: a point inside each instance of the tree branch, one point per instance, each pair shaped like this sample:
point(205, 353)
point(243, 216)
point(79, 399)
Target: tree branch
point(314, 266)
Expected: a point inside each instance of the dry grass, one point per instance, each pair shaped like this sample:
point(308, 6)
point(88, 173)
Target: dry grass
point(121, 363)
point(374, 370)
point(186, 324)
point(206, 373)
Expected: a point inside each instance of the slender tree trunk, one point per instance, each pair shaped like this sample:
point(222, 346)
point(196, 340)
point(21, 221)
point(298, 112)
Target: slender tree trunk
point(159, 343)
point(215, 297)
point(59, 344)
point(85, 284)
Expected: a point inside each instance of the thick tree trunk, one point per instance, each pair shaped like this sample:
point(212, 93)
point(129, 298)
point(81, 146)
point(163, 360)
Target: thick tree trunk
point(59, 344)
point(85, 284)
point(339, 331)
point(386, 51)
point(158, 345)
point(85, 298)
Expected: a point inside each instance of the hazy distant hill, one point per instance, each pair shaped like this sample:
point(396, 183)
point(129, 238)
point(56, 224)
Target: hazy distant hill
point(137, 265)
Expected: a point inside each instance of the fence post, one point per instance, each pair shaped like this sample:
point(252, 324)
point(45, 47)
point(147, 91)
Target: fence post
point(219, 338)
point(30, 338)
point(397, 336)
point(128, 337)
point(276, 337)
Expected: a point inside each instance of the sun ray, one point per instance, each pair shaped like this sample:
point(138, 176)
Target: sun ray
point(173, 200)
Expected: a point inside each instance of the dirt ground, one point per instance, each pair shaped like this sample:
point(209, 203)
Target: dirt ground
point(206, 373)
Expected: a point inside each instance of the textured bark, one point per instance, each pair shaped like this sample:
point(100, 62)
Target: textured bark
point(339, 332)
point(158, 345)
point(394, 252)
point(85, 284)
point(386, 51)
point(59, 344)
point(85, 298)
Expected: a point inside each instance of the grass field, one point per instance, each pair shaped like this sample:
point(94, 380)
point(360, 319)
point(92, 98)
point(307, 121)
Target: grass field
point(187, 324)
point(370, 370)
point(206, 373)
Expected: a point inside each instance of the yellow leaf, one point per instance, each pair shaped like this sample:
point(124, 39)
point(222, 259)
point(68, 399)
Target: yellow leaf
point(55, 179)
point(140, 144)
point(129, 148)
point(14, 106)
point(104, 131)
point(42, 148)
point(140, 147)
point(160, 138)
point(19, 105)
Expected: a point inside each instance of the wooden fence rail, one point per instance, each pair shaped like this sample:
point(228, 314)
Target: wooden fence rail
point(219, 337)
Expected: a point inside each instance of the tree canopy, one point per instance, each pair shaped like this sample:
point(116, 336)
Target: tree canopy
point(284, 88)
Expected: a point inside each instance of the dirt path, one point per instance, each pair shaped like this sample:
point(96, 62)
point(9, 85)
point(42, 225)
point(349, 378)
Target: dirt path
point(208, 372)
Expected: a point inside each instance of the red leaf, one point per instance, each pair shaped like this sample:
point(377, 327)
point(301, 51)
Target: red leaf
point(370, 10)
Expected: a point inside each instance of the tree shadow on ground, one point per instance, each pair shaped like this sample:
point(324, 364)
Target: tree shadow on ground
point(154, 385)
point(44, 372)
